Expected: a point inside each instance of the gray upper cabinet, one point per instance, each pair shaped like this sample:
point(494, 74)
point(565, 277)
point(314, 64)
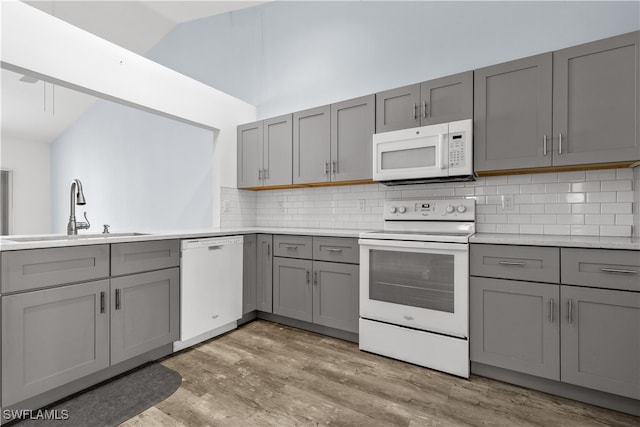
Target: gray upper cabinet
point(601, 339)
point(595, 101)
point(311, 145)
point(292, 294)
point(52, 337)
point(447, 99)
point(336, 295)
point(264, 273)
point(398, 108)
point(512, 114)
point(277, 151)
point(352, 128)
point(145, 312)
point(250, 137)
point(249, 271)
point(515, 325)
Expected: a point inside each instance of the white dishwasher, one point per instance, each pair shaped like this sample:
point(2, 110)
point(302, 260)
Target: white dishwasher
point(210, 288)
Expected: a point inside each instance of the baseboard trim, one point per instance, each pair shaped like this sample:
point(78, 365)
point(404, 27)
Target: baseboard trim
point(311, 327)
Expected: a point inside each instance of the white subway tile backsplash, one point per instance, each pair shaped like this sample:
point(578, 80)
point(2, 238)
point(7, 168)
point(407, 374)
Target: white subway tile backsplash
point(557, 229)
point(519, 179)
point(508, 189)
point(531, 229)
point(532, 188)
point(615, 230)
point(585, 208)
point(625, 173)
point(534, 209)
point(544, 177)
point(585, 230)
point(626, 196)
point(599, 219)
point(583, 187)
point(508, 228)
point(561, 187)
point(605, 197)
point(616, 208)
point(559, 208)
point(624, 185)
point(624, 219)
point(571, 198)
point(570, 219)
point(545, 198)
point(571, 176)
point(601, 175)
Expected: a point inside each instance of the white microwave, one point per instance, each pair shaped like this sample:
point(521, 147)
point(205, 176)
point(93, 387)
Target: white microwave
point(442, 152)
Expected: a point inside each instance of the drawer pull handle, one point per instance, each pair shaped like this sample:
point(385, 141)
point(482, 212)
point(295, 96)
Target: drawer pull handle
point(570, 311)
point(512, 263)
point(101, 302)
point(551, 310)
point(289, 246)
point(616, 270)
point(408, 317)
point(117, 299)
point(334, 249)
point(315, 278)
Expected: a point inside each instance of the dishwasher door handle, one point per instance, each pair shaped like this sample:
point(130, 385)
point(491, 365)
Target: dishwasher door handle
point(213, 248)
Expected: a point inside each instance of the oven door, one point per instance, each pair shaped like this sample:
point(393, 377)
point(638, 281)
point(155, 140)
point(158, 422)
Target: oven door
point(422, 285)
point(411, 153)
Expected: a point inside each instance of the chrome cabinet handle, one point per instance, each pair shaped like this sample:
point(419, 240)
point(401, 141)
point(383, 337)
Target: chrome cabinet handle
point(544, 145)
point(334, 166)
point(117, 299)
point(616, 270)
point(259, 174)
point(308, 276)
point(334, 249)
point(414, 111)
point(424, 109)
point(570, 311)
point(512, 264)
point(408, 317)
point(265, 173)
point(560, 143)
point(315, 278)
point(102, 302)
point(289, 246)
point(551, 310)
point(268, 249)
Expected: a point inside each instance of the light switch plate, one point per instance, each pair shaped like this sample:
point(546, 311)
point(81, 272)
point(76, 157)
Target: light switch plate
point(362, 205)
point(226, 206)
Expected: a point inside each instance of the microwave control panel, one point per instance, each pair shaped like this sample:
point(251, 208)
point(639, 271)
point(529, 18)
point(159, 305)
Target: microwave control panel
point(457, 149)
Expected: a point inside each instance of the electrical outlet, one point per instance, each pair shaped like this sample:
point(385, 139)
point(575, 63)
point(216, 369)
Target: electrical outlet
point(507, 202)
point(362, 205)
point(226, 206)
point(281, 207)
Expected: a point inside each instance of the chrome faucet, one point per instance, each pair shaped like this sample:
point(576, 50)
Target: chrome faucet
point(72, 225)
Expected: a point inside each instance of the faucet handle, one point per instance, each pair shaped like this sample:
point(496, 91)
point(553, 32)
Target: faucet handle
point(106, 229)
point(84, 225)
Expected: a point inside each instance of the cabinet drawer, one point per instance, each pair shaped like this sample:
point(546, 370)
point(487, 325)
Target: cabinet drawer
point(39, 268)
point(135, 257)
point(339, 249)
point(601, 268)
point(292, 246)
point(530, 263)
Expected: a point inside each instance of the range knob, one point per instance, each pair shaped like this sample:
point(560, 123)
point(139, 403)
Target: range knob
point(462, 208)
point(450, 209)
point(402, 209)
point(393, 209)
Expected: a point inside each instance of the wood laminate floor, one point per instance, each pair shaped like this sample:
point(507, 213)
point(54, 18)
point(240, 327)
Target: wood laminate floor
point(266, 374)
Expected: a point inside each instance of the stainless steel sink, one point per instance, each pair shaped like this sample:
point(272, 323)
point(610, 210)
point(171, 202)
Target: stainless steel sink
point(63, 237)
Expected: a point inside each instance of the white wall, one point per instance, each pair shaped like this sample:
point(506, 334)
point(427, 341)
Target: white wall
point(30, 164)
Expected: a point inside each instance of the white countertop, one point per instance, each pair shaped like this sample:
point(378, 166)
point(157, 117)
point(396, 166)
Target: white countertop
point(6, 244)
point(604, 242)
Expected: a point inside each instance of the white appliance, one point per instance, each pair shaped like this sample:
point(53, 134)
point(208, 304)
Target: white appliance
point(210, 288)
point(442, 152)
point(414, 284)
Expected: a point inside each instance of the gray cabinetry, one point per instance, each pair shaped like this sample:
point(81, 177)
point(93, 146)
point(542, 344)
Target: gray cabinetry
point(292, 246)
point(611, 269)
point(264, 273)
point(512, 114)
point(601, 339)
point(53, 336)
point(595, 101)
point(277, 151)
point(336, 295)
point(40, 268)
point(249, 272)
point(292, 294)
point(336, 249)
point(135, 257)
point(145, 312)
point(515, 325)
point(311, 145)
point(435, 101)
point(531, 263)
point(352, 128)
point(249, 154)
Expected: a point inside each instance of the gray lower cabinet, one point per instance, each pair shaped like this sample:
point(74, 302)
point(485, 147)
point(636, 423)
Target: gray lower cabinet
point(596, 97)
point(512, 114)
point(264, 273)
point(311, 145)
point(136, 257)
point(336, 300)
point(249, 273)
point(601, 339)
point(292, 294)
point(515, 325)
point(352, 128)
point(52, 337)
point(145, 312)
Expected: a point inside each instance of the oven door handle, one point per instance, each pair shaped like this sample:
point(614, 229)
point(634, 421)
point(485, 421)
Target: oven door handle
point(403, 244)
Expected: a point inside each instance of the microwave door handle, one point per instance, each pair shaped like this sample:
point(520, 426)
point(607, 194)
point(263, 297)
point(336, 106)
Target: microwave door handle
point(441, 147)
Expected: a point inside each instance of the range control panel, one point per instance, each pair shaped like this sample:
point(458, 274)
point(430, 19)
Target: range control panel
point(430, 210)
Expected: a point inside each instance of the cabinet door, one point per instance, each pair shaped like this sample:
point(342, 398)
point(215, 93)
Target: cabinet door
point(515, 325)
point(352, 128)
point(249, 155)
point(311, 145)
point(398, 108)
point(137, 257)
point(601, 340)
point(512, 114)
point(292, 295)
point(595, 101)
point(447, 99)
point(145, 312)
point(264, 273)
point(52, 337)
point(336, 295)
point(249, 270)
point(278, 151)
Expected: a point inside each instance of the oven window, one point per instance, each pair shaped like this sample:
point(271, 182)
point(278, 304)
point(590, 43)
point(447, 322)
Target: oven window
point(414, 279)
point(409, 158)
